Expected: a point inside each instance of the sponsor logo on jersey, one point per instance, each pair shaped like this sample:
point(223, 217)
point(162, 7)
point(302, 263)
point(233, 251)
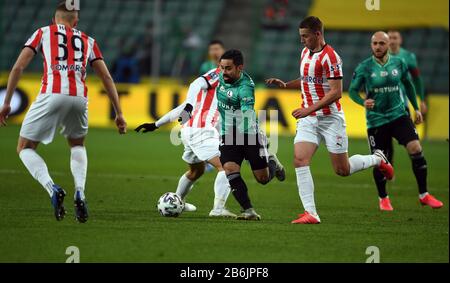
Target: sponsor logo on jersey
point(309, 79)
point(384, 74)
point(386, 89)
point(373, 75)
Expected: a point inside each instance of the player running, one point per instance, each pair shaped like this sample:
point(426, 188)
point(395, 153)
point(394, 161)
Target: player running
point(321, 117)
point(62, 101)
point(200, 138)
point(383, 76)
point(240, 134)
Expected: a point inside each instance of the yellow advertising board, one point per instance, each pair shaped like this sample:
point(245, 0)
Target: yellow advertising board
point(146, 103)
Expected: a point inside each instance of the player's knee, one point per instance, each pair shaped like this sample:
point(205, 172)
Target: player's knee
point(300, 161)
point(414, 147)
point(263, 180)
point(195, 173)
point(342, 171)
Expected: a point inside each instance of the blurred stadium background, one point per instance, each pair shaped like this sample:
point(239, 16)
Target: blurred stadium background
point(165, 41)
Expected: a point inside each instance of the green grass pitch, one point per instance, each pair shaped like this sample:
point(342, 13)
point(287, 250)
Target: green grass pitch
point(127, 174)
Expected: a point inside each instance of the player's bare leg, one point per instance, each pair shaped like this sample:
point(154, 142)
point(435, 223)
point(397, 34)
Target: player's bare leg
point(221, 191)
point(78, 166)
point(303, 153)
point(38, 169)
point(240, 191)
point(419, 165)
point(187, 181)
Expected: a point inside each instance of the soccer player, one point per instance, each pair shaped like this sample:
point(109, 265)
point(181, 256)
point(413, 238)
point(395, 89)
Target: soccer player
point(395, 49)
point(382, 76)
point(241, 136)
point(321, 117)
point(62, 101)
point(215, 50)
point(395, 41)
point(200, 138)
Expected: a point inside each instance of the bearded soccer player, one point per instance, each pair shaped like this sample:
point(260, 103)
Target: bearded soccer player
point(62, 101)
point(200, 138)
point(321, 117)
point(383, 76)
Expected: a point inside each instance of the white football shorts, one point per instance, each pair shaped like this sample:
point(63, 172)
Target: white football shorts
point(50, 111)
point(200, 144)
point(330, 128)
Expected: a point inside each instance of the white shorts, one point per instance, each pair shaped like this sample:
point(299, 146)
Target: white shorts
point(329, 128)
point(50, 111)
point(200, 144)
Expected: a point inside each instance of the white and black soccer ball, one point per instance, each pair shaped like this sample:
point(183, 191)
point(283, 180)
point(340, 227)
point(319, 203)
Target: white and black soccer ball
point(170, 205)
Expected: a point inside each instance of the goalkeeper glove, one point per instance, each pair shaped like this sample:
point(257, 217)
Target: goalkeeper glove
point(148, 127)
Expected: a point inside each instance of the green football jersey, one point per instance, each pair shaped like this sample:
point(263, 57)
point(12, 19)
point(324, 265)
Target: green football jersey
point(411, 62)
point(236, 103)
point(383, 84)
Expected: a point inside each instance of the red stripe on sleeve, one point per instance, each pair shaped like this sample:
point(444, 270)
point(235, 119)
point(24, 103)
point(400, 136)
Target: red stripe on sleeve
point(56, 88)
point(36, 40)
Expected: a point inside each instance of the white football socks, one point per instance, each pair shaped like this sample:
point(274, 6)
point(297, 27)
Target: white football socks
point(37, 168)
point(221, 190)
point(305, 185)
point(361, 162)
point(78, 166)
point(184, 186)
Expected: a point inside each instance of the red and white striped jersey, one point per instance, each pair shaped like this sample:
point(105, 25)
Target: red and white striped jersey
point(205, 113)
point(66, 52)
point(315, 71)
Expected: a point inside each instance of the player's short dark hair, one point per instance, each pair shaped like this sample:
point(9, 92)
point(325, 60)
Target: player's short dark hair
point(235, 55)
point(312, 23)
point(216, 41)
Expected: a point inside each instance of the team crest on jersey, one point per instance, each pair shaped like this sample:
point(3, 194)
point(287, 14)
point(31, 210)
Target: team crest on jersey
point(213, 75)
point(394, 72)
point(229, 93)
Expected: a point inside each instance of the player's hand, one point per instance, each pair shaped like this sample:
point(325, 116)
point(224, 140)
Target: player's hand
point(369, 103)
point(121, 124)
point(419, 118)
point(4, 113)
point(277, 82)
point(186, 114)
point(300, 113)
point(148, 127)
point(423, 108)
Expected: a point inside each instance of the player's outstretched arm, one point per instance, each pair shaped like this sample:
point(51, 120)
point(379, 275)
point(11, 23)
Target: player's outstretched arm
point(294, 84)
point(102, 71)
point(195, 87)
point(21, 64)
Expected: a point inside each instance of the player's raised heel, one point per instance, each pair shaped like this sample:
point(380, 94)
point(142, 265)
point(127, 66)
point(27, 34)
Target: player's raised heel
point(249, 214)
point(57, 201)
point(280, 173)
point(81, 209)
point(385, 166)
point(431, 201)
